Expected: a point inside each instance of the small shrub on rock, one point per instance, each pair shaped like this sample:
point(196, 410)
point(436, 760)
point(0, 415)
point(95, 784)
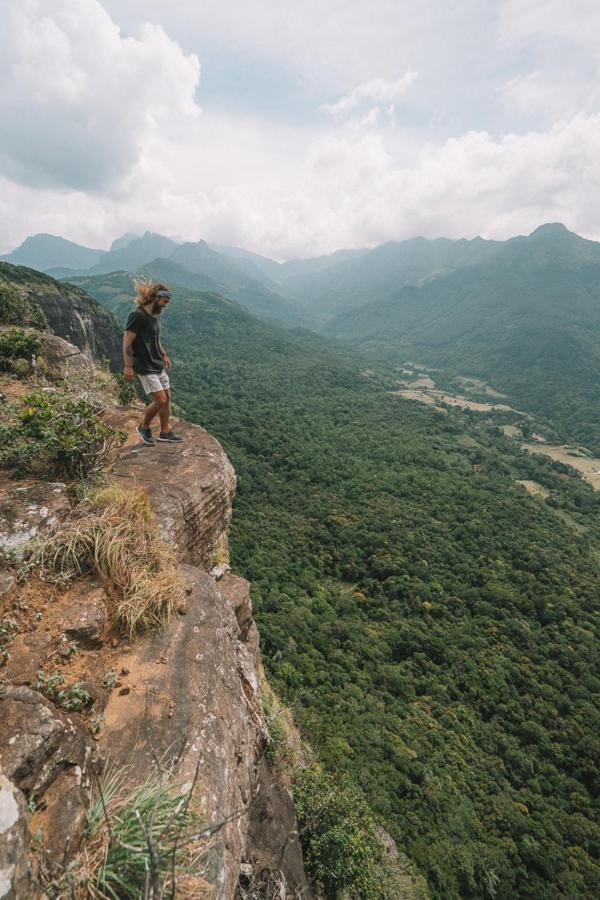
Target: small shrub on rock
point(59, 434)
point(49, 685)
point(141, 840)
point(20, 367)
point(17, 350)
point(74, 698)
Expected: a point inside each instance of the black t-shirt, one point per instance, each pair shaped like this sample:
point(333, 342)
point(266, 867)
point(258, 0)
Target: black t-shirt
point(147, 359)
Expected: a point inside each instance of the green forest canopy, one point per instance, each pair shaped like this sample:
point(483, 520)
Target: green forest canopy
point(432, 626)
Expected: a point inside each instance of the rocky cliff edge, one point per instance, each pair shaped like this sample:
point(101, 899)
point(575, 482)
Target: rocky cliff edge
point(185, 697)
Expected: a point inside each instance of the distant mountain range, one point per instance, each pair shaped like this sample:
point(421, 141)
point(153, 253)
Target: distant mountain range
point(195, 265)
point(523, 314)
point(318, 291)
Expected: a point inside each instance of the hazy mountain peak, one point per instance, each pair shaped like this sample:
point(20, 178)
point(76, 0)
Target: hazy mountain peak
point(124, 240)
point(551, 229)
point(46, 251)
point(45, 239)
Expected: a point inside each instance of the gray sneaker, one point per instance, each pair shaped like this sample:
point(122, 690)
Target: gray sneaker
point(170, 437)
point(146, 435)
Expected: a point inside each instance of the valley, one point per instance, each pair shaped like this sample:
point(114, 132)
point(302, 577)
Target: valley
point(422, 388)
point(426, 592)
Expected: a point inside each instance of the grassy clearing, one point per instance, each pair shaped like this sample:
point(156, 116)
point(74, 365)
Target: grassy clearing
point(117, 537)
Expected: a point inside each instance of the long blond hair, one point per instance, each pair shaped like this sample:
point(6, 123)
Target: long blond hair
point(146, 289)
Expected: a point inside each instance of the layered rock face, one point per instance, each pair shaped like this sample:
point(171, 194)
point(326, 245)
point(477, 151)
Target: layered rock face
point(187, 694)
point(191, 487)
point(194, 686)
point(71, 313)
point(16, 877)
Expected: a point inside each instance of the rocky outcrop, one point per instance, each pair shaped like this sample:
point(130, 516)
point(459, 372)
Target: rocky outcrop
point(187, 694)
point(58, 359)
point(29, 509)
point(237, 590)
point(191, 487)
point(45, 754)
point(194, 697)
point(193, 700)
point(16, 878)
point(273, 864)
point(70, 312)
point(62, 360)
point(193, 688)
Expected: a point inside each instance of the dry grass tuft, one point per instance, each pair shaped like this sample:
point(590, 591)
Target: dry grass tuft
point(117, 537)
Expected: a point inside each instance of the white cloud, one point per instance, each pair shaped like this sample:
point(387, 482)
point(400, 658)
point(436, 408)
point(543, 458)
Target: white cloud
point(337, 190)
point(375, 92)
point(550, 96)
point(577, 23)
point(78, 99)
point(561, 43)
point(104, 136)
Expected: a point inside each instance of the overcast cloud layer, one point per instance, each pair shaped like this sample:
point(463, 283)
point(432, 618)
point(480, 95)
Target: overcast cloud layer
point(295, 129)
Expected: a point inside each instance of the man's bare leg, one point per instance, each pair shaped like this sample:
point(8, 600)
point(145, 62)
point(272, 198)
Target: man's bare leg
point(159, 403)
point(165, 412)
point(166, 435)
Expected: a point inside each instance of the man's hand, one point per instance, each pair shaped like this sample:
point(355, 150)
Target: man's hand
point(129, 373)
point(167, 361)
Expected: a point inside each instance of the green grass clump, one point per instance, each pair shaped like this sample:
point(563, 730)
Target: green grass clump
point(74, 698)
point(137, 835)
point(117, 537)
point(49, 684)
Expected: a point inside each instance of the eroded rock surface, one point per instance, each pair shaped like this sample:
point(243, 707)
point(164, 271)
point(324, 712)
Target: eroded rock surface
point(237, 591)
point(85, 617)
point(63, 359)
point(26, 655)
point(16, 877)
point(7, 585)
point(191, 487)
point(49, 757)
point(195, 696)
point(29, 509)
point(274, 866)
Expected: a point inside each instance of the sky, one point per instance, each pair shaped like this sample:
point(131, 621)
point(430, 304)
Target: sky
point(294, 129)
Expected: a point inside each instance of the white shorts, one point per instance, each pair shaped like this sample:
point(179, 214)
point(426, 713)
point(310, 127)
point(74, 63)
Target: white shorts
point(152, 383)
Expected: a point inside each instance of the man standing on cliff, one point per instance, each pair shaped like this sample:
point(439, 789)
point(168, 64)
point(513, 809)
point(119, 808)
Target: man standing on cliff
point(146, 358)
